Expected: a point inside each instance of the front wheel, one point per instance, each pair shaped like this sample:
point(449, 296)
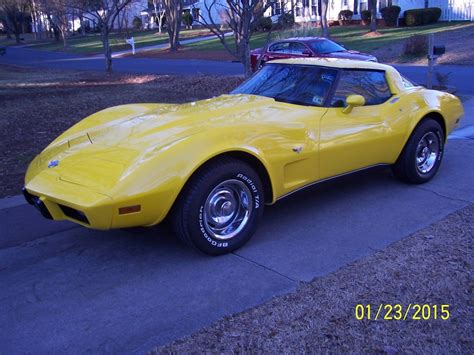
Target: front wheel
point(219, 208)
point(422, 155)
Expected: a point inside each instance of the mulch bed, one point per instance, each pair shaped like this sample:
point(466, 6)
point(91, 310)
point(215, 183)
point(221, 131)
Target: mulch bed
point(432, 266)
point(38, 105)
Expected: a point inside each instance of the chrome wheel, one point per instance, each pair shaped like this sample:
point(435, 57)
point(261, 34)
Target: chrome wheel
point(227, 209)
point(427, 152)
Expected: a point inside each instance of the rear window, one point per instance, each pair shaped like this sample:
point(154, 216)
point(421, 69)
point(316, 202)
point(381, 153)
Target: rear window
point(281, 47)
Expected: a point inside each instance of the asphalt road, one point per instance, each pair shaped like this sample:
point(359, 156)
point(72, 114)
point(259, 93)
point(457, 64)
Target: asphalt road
point(460, 76)
point(67, 289)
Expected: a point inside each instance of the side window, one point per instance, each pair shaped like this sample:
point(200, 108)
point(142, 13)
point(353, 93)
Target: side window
point(371, 84)
point(281, 47)
point(297, 48)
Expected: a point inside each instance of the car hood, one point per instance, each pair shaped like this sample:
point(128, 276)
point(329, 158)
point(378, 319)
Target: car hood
point(99, 155)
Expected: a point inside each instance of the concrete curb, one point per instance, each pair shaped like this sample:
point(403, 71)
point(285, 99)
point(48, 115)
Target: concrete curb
point(10, 202)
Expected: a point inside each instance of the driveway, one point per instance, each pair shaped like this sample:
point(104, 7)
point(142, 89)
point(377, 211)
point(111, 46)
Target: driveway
point(460, 76)
point(67, 289)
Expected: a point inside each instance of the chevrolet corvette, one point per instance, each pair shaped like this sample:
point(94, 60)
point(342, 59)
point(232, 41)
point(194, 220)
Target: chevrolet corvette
point(210, 167)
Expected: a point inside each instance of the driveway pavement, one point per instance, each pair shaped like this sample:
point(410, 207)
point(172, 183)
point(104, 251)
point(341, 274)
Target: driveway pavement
point(67, 289)
point(460, 76)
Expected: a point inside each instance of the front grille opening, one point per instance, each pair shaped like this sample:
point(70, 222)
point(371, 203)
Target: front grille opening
point(74, 214)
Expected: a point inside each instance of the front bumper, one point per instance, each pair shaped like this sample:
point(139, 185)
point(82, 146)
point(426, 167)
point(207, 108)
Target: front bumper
point(98, 217)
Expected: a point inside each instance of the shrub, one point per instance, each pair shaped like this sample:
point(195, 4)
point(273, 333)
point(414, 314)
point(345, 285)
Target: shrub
point(187, 19)
point(366, 16)
point(345, 16)
point(420, 17)
point(416, 45)
point(390, 15)
point(264, 24)
point(137, 23)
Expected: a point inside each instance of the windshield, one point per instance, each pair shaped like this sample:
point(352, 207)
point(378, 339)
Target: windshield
point(297, 84)
point(325, 46)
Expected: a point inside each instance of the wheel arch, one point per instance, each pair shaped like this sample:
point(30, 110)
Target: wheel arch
point(433, 115)
point(241, 155)
point(248, 158)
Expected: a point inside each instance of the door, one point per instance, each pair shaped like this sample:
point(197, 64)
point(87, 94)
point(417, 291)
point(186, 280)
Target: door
point(365, 136)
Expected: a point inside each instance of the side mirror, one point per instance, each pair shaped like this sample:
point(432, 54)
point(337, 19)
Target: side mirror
point(353, 101)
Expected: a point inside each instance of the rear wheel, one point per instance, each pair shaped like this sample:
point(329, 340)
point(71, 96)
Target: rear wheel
point(422, 155)
point(219, 208)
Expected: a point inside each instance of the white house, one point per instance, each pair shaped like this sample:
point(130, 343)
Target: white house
point(309, 10)
point(452, 10)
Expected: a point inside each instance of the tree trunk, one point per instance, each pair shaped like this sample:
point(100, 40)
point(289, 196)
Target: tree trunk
point(324, 19)
point(64, 37)
point(83, 29)
point(245, 58)
point(373, 15)
point(174, 11)
point(107, 49)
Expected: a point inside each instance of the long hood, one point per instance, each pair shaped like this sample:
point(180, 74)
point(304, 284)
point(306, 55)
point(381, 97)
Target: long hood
point(102, 148)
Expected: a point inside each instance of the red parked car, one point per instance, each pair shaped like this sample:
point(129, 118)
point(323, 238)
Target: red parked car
point(305, 47)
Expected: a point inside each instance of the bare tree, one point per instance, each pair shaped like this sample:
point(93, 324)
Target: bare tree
point(57, 12)
point(159, 10)
point(373, 15)
point(242, 17)
point(283, 12)
point(174, 13)
point(104, 12)
point(12, 15)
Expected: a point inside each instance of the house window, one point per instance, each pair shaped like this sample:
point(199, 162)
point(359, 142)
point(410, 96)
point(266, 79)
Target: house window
point(314, 10)
point(427, 4)
point(356, 7)
point(344, 2)
point(382, 4)
point(363, 6)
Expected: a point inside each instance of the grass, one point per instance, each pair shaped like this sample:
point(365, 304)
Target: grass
point(92, 44)
point(350, 36)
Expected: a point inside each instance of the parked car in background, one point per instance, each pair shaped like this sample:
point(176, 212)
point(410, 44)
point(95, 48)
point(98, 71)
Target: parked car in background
point(305, 47)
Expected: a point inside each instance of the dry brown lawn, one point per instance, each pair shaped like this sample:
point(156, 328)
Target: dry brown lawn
point(459, 44)
point(37, 105)
point(432, 266)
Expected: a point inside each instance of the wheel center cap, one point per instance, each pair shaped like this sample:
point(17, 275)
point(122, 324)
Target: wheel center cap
point(227, 208)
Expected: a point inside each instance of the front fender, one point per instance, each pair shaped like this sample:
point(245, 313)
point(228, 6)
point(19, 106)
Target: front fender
point(164, 172)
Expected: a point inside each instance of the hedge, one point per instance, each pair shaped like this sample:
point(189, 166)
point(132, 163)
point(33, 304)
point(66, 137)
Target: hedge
point(390, 15)
point(419, 17)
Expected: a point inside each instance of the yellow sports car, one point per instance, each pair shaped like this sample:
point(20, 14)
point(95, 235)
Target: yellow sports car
point(211, 166)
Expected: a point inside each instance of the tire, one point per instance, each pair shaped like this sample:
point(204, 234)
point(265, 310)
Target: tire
point(422, 154)
point(226, 189)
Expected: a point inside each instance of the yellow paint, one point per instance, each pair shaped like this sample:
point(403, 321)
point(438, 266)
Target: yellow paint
point(143, 154)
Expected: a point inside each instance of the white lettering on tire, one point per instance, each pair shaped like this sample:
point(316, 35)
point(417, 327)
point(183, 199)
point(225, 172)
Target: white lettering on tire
point(206, 236)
